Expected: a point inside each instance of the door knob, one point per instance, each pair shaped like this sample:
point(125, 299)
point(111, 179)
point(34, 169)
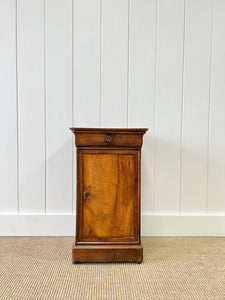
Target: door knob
point(87, 195)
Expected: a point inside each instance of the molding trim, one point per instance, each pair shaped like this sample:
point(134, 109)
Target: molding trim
point(152, 225)
point(183, 225)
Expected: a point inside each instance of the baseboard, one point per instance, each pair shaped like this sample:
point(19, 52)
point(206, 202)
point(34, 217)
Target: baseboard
point(37, 225)
point(152, 225)
point(188, 225)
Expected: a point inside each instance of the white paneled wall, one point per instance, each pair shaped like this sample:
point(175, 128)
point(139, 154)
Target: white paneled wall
point(87, 62)
point(31, 106)
point(141, 86)
point(59, 107)
point(113, 63)
point(196, 97)
point(216, 146)
point(8, 109)
point(168, 105)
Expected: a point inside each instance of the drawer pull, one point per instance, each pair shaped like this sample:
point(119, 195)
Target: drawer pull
point(87, 195)
point(108, 139)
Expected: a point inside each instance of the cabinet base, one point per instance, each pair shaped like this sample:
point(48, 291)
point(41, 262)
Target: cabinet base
point(107, 253)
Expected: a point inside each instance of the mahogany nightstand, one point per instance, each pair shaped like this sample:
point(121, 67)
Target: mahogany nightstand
point(108, 195)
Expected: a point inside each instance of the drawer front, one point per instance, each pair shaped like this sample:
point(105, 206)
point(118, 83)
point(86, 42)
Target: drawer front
point(106, 139)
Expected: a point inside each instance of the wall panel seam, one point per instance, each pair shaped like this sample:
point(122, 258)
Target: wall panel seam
point(209, 111)
point(128, 60)
point(72, 148)
point(155, 88)
point(45, 110)
point(100, 64)
point(182, 104)
point(17, 105)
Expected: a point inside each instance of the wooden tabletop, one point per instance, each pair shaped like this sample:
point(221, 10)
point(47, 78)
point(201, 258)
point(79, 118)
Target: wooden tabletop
point(141, 130)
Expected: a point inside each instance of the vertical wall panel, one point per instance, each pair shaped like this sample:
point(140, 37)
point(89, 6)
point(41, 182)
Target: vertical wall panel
point(170, 29)
point(196, 106)
point(87, 63)
point(87, 34)
point(8, 107)
point(216, 179)
point(58, 24)
point(31, 105)
point(142, 86)
point(114, 63)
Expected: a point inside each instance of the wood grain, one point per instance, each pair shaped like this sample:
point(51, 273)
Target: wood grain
point(118, 137)
point(109, 177)
point(112, 253)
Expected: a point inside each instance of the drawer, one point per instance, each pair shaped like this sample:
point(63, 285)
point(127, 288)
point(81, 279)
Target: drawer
point(104, 137)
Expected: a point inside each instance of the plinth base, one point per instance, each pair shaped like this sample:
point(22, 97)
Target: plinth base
point(107, 253)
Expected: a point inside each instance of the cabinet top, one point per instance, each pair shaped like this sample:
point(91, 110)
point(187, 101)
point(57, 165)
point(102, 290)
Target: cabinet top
point(109, 130)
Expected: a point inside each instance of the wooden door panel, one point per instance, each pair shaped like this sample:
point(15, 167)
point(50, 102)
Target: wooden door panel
point(109, 196)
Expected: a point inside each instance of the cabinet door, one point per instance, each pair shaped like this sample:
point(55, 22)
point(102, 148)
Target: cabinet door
point(108, 196)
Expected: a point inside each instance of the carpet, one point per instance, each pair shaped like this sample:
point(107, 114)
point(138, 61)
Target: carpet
point(173, 268)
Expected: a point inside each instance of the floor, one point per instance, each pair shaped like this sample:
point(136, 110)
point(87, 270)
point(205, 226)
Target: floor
point(173, 268)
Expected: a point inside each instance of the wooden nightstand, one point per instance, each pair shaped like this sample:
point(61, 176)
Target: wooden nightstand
point(108, 195)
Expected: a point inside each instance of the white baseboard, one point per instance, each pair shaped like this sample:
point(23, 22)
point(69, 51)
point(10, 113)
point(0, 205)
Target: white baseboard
point(190, 225)
point(152, 225)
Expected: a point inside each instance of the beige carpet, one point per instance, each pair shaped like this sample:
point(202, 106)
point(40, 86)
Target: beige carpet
point(173, 268)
